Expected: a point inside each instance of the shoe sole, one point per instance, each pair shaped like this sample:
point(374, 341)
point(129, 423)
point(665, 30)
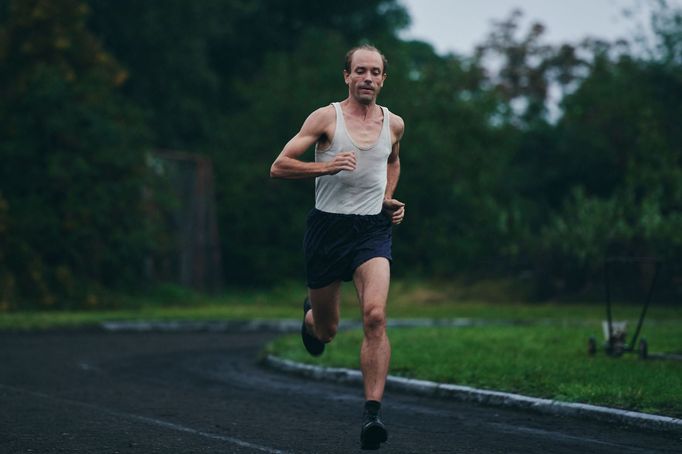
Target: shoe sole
point(373, 436)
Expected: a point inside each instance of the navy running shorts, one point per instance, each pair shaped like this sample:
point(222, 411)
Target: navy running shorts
point(336, 244)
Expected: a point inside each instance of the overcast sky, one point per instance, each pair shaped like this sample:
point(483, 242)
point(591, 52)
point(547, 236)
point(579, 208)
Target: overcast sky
point(458, 25)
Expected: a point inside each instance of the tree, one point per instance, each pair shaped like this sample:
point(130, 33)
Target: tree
point(234, 80)
point(73, 159)
point(620, 144)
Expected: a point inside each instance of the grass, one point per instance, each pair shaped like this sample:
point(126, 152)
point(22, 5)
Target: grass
point(407, 300)
point(165, 303)
point(548, 361)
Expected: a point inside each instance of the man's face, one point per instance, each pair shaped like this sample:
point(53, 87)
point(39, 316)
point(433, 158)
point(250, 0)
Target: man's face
point(366, 76)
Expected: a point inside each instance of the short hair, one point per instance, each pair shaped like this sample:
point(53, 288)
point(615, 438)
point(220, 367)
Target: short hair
point(350, 53)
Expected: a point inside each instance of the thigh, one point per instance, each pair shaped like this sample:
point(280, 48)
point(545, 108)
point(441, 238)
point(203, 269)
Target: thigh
point(372, 280)
point(325, 302)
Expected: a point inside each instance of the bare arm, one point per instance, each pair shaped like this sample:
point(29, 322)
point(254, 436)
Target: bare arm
point(288, 164)
point(392, 207)
point(392, 171)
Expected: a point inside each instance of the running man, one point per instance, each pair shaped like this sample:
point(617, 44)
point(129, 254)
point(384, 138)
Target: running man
point(349, 232)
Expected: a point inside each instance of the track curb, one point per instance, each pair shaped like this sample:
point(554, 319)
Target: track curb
point(485, 397)
point(277, 325)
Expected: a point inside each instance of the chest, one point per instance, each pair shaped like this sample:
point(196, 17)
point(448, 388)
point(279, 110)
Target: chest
point(364, 133)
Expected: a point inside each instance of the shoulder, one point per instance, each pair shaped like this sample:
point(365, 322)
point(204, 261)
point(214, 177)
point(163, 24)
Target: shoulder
point(397, 125)
point(321, 118)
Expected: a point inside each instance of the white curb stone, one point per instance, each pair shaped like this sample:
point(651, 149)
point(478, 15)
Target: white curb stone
point(494, 398)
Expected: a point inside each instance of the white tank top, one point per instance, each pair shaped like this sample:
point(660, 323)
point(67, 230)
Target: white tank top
point(362, 190)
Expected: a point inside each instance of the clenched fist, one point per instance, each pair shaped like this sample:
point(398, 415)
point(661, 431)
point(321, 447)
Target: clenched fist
point(395, 209)
point(345, 160)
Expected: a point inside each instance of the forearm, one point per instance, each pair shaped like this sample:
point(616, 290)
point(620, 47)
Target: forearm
point(392, 176)
point(294, 169)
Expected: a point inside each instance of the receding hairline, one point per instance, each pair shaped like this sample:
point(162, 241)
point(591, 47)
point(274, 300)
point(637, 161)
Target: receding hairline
point(368, 47)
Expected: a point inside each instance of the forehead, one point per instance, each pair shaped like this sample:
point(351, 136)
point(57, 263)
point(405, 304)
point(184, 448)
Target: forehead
point(366, 58)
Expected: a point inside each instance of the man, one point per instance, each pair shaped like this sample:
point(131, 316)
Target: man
point(348, 233)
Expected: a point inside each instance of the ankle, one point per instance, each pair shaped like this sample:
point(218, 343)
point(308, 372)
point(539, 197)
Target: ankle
point(372, 407)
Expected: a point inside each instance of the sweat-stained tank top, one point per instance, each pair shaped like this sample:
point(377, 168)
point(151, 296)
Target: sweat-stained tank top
point(362, 190)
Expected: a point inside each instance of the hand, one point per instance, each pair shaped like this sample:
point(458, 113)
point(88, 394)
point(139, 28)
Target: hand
point(342, 161)
point(394, 209)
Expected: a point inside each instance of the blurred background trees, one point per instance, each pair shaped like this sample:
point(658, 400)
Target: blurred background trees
point(500, 177)
point(72, 153)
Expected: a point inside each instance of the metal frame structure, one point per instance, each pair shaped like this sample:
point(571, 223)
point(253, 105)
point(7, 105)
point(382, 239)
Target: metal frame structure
point(616, 343)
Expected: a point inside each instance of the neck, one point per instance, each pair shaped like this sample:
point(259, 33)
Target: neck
point(366, 111)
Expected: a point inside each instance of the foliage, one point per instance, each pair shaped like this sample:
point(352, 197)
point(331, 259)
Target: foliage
point(72, 161)
point(497, 177)
point(625, 182)
point(234, 80)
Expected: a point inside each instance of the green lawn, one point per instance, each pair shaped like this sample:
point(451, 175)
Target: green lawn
point(490, 301)
point(166, 303)
point(79, 319)
point(549, 361)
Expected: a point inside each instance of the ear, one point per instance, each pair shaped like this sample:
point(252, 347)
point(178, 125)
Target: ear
point(383, 79)
point(346, 76)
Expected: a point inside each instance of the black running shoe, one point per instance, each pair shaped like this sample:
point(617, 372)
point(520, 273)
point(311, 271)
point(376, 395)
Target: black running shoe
point(314, 346)
point(373, 431)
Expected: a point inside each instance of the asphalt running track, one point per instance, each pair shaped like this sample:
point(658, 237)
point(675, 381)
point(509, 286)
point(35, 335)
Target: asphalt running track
point(105, 392)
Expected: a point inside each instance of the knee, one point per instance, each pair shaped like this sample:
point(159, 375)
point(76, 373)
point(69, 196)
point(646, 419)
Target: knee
point(326, 333)
point(374, 320)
